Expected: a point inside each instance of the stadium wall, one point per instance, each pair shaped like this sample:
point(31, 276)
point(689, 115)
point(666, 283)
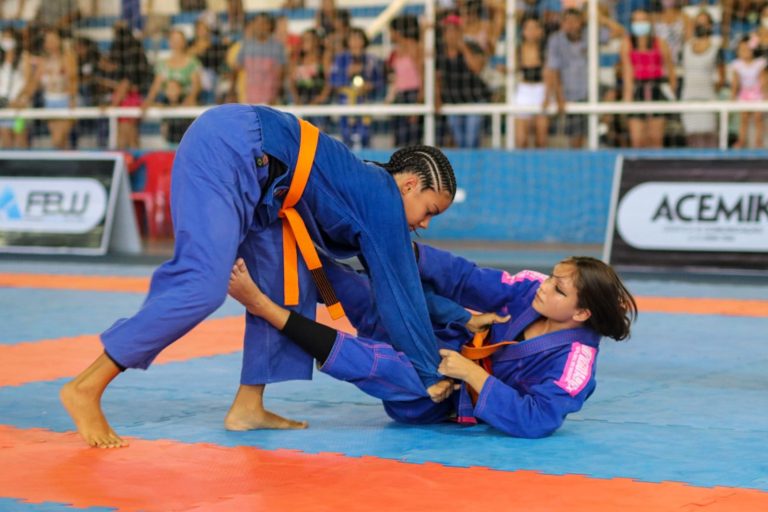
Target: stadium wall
point(547, 196)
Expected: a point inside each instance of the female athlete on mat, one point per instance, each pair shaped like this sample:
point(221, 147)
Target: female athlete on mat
point(248, 181)
point(530, 371)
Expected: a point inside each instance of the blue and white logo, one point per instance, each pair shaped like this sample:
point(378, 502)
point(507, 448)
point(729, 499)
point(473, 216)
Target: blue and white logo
point(9, 208)
point(51, 205)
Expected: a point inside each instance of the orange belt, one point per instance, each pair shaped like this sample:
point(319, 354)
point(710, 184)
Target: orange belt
point(295, 232)
point(481, 354)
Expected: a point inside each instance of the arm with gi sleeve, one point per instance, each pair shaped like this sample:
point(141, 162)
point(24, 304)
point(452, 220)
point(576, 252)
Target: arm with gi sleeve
point(480, 289)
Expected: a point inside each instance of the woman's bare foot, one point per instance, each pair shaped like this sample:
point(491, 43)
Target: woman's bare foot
point(440, 391)
point(248, 412)
point(243, 419)
point(246, 292)
point(243, 289)
point(81, 398)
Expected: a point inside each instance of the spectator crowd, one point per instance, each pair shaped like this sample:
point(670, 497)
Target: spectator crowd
point(651, 50)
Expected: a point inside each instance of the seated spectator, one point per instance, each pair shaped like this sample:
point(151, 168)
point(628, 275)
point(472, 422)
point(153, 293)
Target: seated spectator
point(14, 92)
point(459, 64)
point(211, 53)
point(702, 61)
point(258, 63)
point(648, 75)
point(357, 77)
point(181, 67)
point(406, 64)
point(56, 75)
point(531, 89)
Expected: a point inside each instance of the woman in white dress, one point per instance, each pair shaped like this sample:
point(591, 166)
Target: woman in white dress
point(704, 74)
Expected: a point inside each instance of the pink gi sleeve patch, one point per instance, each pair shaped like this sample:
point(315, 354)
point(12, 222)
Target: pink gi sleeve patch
point(578, 368)
point(524, 275)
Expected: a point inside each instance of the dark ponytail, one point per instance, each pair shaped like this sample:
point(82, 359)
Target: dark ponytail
point(601, 292)
point(428, 163)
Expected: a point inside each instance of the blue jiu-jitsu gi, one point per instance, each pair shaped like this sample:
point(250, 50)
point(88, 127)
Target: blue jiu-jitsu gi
point(535, 384)
point(225, 202)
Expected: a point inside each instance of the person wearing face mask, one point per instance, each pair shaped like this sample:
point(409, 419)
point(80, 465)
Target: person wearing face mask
point(14, 77)
point(648, 75)
point(702, 60)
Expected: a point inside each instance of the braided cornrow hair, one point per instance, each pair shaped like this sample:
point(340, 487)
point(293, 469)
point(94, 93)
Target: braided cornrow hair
point(429, 163)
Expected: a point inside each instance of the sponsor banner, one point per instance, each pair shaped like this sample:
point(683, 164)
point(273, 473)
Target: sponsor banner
point(689, 213)
point(62, 202)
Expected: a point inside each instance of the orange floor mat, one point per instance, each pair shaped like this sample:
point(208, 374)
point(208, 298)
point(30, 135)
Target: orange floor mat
point(43, 466)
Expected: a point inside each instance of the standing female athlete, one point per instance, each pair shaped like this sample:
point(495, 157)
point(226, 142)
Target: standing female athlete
point(248, 180)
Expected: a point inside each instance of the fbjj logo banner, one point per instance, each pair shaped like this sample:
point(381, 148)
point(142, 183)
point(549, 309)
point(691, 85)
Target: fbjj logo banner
point(60, 202)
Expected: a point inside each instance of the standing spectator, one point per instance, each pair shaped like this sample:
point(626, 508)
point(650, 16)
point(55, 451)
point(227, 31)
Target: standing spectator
point(325, 18)
point(335, 38)
point(307, 83)
point(478, 28)
point(647, 67)
point(531, 89)
point(180, 67)
point(740, 18)
point(14, 93)
point(235, 21)
point(92, 88)
point(258, 62)
point(59, 15)
point(459, 65)
point(547, 11)
point(211, 53)
point(406, 64)
point(759, 38)
point(130, 74)
point(672, 25)
point(173, 128)
point(357, 77)
point(702, 59)
point(56, 75)
point(566, 73)
point(747, 84)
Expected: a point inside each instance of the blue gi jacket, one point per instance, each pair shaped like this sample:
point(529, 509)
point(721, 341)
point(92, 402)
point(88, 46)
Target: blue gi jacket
point(530, 392)
point(354, 207)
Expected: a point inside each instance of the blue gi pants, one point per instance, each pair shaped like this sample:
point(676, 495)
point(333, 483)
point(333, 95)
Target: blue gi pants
point(216, 188)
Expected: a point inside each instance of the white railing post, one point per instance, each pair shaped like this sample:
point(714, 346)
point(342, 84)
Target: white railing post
point(112, 140)
point(593, 57)
point(723, 132)
point(496, 130)
point(429, 73)
point(511, 30)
